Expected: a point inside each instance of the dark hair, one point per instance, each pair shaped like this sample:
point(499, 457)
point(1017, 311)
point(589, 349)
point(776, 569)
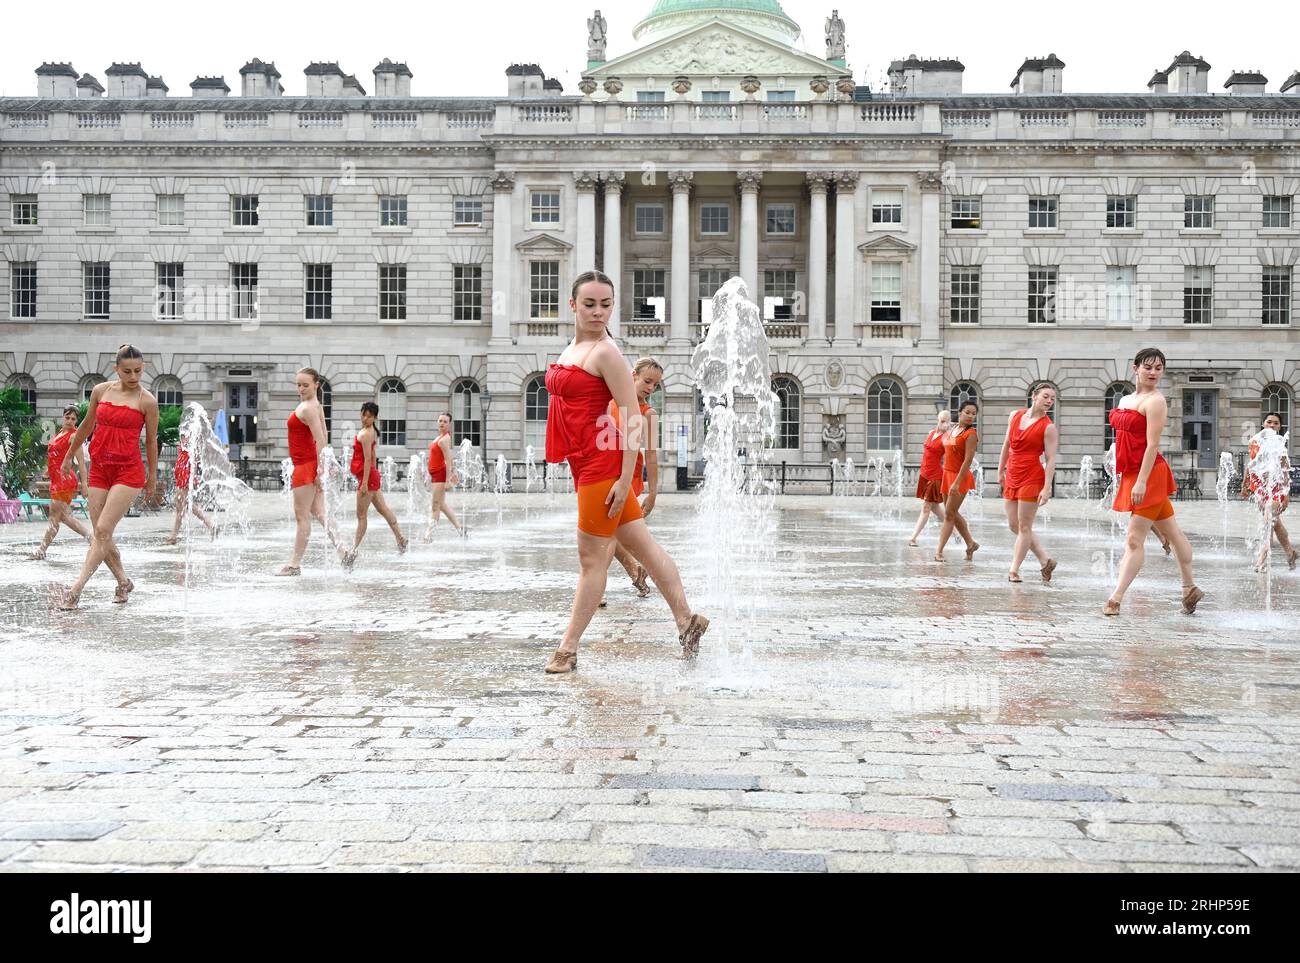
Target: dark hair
point(72, 410)
point(128, 352)
point(1273, 414)
point(447, 415)
point(371, 407)
point(588, 276)
point(968, 403)
point(1147, 354)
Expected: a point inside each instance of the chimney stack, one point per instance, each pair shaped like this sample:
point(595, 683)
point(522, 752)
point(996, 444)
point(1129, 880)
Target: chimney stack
point(155, 87)
point(1159, 82)
point(915, 77)
point(1292, 82)
point(392, 80)
point(1039, 76)
point(209, 87)
point(258, 79)
point(352, 87)
point(56, 80)
point(1246, 82)
point(88, 86)
point(324, 79)
point(524, 80)
point(1188, 75)
point(126, 80)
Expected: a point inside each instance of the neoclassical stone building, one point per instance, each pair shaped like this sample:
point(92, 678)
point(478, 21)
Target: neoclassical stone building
point(909, 245)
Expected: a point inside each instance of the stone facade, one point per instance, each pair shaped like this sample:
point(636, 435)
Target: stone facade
point(542, 186)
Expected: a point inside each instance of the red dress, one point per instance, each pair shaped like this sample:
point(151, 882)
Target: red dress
point(1280, 495)
point(929, 484)
point(437, 460)
point(302, 452)
point(578, 427)
point(954, 453)
point(181, 471)
point(359, 464)
point(1025, 475)
point(62, 486)
point(638, 482)
point(1130, 447)
point(115, 447)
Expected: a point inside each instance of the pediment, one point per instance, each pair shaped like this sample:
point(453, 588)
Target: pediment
point(543, 242)
point(715, 47)
point(886, 244)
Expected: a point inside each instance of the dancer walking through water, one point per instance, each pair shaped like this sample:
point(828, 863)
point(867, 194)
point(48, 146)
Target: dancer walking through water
point(959, 447)
point(589, 373)
point(117, 412)
point(307, 439)
point(1026, 484)
point(1275, 502)
point(647, 374)
point(929, 483)
point(183, 475)
point(63, 487)
point(440, 457)
point(1145, 481)
point(366, 472)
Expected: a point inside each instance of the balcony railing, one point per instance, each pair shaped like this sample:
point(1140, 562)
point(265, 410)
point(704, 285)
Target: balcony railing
point(470, 118)
point(785, 111)
point(1045, 118)
point(546, 113)
point(971, 119)
point(888, 113)
point(646, 112)
point(784, 330)
point(29, 120)
point(98, 121)
point(320, 118)
point(713, 111)
point(645, 330)
point(542, 329)
point(395, 118)
point(1275, 118)
point(241, 121)
point(171, 121)
point(1198, 118)
point(1121, 118)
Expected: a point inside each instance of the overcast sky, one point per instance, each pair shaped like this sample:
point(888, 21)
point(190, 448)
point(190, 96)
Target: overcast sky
point(462, 49)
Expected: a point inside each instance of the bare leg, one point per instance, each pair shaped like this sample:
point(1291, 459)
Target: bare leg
point(1134, 556)
point(112, 558)
point(182, 498)
point(1013, 523)
point(107, 508)
point(636, 538)
point(625, 559)
point(594, 554)
point(303, 497)
point(60, 514)
point(953, 519)
point(363, 511)
point(440, 506)
point(1283, 536)
point(387, 515)
point(198, 513)
point(1026, 538)
point(920, 522)
point(1170, 531)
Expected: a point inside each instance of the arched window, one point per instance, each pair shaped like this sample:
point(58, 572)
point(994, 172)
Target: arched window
point(167, 389)
point(87, 385)
point(26, 388)
point(1029, 398)
point(885, 415)
point(962, 392)
point(536, 402)
point(1114, 393)
point(466, 412)
point(787, 417)
point(325, 395)
point(1277, 398)
point(392, 412)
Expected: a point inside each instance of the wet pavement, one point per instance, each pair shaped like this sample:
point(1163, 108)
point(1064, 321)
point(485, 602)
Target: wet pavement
point(873, 711)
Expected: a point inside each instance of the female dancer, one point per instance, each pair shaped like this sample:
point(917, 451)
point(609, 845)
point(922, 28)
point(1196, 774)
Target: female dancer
point(589, 372)
point(1145, 481)
point(182, 474)
point(118, 410)
point(959, 445)
point(1026, 486)
point(63, 487)
point(307, 439)
point(647, 374)
point(929, 483)
point(440, 457)
point(1251, 487)
point(366, 472)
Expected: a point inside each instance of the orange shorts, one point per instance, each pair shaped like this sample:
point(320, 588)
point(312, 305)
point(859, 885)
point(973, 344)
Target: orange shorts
point(65, 497)
point(593, 513)
point(304, 474)
point(1159, 487)
point(1025, 493)
point(1157, 513)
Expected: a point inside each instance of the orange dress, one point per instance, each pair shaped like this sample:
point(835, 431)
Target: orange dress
point(929, 484)
point(954, 453)
point(1025, 476)
point(1130, 447)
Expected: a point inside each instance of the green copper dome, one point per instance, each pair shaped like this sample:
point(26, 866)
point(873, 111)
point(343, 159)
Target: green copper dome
point(762, 16)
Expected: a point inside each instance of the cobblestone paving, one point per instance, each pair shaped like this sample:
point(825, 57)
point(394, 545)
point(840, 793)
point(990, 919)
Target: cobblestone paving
point(880, 711)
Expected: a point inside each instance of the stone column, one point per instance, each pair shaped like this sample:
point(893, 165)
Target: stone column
point(846, 254)
point(503, 187)
point(584, 183)
point(748, 182)
point(679, 308)
point(819, 183)
point(613, 262)
point(931, 185)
